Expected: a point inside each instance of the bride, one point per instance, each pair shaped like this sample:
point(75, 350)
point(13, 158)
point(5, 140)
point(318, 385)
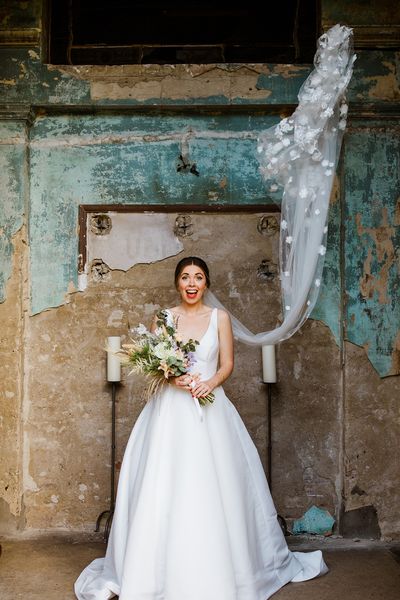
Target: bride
point(194, 517)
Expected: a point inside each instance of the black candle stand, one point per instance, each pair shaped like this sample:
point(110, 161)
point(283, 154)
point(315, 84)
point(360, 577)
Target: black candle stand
point(110, 511)
point(281, 520)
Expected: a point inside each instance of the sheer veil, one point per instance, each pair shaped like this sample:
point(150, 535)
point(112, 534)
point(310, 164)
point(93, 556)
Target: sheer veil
point(300, 155)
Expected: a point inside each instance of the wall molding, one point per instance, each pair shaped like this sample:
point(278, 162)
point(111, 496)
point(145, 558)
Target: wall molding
point(20, 37)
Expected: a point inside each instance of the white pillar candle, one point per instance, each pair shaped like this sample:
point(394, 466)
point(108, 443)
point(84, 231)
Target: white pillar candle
point(269, 364)
point(113, 362)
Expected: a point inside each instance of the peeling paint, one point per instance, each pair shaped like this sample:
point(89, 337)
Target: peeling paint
point(12, 192)
point(134, 238)
point(131, 172)
point(372, 182)
point(26, 79)
point(376, 77)
point(383, 237)
point(95, 159)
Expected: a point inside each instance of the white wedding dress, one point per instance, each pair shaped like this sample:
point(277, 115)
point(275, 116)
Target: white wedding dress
point(194, 517)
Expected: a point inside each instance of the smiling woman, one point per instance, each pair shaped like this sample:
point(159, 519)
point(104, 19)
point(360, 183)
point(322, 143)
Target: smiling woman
point(194, 517)
point(192, 276)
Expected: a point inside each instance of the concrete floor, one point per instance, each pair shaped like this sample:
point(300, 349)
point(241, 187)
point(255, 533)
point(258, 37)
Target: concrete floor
point(45, 568)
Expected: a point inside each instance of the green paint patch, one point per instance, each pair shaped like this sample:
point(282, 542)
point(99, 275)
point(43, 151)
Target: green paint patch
point(12, 193)
point(128, 160)
point(372, 181)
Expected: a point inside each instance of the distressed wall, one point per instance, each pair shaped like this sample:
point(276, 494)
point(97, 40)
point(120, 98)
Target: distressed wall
point(96, 135)
point(71, 339)
point(11, 393)
point(13, 288)
point(372, 179)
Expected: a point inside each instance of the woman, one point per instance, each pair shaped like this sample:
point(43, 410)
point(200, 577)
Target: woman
point(194, 517)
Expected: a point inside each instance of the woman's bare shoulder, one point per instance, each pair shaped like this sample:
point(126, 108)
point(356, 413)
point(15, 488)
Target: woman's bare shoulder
point(223, 316)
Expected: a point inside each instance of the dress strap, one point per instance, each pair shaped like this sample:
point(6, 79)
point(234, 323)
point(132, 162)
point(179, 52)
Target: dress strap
point(214, 318)
point(215, 315)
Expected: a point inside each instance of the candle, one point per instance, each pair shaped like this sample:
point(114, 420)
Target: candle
point(269, 365)
point(113, 362)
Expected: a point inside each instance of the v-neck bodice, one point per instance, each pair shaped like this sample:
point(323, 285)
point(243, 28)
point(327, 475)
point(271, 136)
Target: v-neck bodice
point(206, 353)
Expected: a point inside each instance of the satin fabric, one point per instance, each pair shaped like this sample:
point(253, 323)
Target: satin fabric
point(194, 517)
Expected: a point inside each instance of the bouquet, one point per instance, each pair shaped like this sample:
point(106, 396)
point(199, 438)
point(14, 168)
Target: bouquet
point(160, 355)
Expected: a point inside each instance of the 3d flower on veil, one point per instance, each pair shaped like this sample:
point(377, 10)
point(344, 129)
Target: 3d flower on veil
point(159, 355)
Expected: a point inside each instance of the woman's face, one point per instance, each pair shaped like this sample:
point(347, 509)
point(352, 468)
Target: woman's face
point(192, 284)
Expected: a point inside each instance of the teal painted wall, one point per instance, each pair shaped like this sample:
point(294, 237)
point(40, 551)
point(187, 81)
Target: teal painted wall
point(131, 158)
point(113, 160)
point(372, 219)
point(13, 178)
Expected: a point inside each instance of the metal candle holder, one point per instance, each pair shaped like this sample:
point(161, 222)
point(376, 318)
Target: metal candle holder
point(281, 519)
point(110, 511)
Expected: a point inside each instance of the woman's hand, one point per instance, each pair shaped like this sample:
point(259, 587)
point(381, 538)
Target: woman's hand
point(192, 384)
point(201, 389)
point(183, 382)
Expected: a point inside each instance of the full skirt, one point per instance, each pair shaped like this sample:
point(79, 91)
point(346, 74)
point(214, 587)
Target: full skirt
point(194, 517)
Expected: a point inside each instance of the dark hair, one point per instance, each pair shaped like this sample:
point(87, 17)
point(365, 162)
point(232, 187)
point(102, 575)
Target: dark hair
point(192, 260)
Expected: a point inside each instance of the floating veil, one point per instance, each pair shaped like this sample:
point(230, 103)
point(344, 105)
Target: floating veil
point(300, 154)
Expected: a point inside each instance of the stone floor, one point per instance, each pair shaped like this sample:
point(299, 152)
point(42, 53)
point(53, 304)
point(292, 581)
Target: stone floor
point(45, 568)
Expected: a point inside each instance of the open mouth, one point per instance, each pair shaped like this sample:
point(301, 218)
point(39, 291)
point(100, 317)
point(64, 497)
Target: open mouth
point(191, 293)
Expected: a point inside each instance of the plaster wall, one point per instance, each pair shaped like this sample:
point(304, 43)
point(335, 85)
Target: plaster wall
point(371, 439)
point(69, 419)
point(13, 292)
point(11, 391)
point(95, 135)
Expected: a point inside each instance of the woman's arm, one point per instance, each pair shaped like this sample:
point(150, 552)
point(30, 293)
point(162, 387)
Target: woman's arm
point(225, 357)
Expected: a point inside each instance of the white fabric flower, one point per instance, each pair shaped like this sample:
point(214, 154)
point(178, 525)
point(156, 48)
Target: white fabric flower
point(303, 193)
point(317, 282)
point(316, 80)
point(303, 119)
point(317, 211)
point(289, 239)
point(322, 250)
point(317, 156)
point(328, 112)
point(286, 125)
point(283, 224)
point(276, 148)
